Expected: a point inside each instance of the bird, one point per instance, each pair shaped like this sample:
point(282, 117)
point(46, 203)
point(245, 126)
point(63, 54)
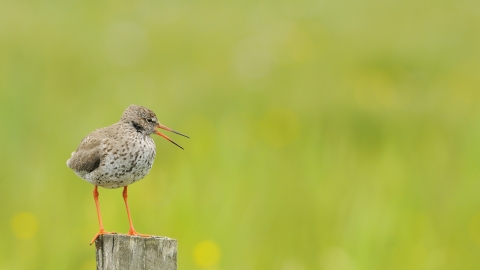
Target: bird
point(119, 155)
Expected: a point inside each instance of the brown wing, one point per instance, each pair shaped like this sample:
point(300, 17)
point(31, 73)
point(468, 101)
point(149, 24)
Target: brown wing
point(89, 153)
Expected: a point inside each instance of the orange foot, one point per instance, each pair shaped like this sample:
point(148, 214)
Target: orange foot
point(100, 233)
point(135, 233)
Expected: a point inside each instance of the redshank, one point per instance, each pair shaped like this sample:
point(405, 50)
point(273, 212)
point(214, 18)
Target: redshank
point(119, 155)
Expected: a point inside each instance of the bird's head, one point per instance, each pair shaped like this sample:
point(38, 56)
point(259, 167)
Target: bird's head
point(145, 121)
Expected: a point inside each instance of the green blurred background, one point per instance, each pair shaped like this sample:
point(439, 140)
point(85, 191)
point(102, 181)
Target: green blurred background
point(337, 135)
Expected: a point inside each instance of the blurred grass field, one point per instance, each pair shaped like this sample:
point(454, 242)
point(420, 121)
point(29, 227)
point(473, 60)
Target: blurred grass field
point(336, 135)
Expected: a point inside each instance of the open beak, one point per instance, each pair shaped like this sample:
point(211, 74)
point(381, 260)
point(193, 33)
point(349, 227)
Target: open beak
point(171, 130)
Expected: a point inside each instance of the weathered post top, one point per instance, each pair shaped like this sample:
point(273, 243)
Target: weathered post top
point(119, 252)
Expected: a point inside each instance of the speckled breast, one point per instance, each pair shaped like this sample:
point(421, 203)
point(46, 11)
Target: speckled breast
point(125, 162)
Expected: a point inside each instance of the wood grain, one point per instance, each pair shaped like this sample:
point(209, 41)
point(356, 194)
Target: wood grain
point(119, 252)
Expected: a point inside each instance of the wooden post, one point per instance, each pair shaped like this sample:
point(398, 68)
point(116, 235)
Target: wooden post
point(120, 251)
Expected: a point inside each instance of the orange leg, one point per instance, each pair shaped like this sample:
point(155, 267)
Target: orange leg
point(102, 230)
point(132, 230)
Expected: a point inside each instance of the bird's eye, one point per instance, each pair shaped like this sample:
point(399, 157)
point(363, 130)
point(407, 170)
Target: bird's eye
point(150, 120)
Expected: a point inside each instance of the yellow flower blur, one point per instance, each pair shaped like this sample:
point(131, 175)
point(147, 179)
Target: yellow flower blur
point(206, 254)
point(24, 225)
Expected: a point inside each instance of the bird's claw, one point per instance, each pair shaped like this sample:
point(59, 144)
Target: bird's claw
point(135, 233)
point(100, 233)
